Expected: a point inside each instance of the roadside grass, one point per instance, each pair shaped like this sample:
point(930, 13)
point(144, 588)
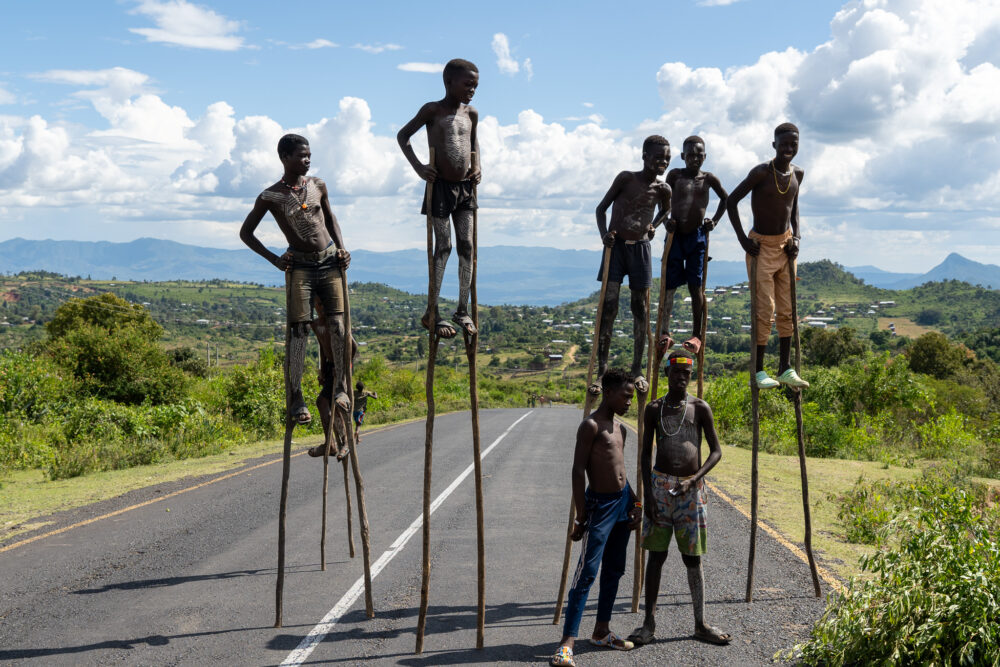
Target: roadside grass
point(28, 497)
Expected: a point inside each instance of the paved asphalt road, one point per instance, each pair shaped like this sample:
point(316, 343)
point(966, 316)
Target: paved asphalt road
point(190, 580)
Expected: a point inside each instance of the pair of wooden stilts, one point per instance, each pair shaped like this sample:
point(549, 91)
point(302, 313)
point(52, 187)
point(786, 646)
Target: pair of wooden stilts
point(652, 375)
point(755, 405)
point(471, 346)
point(295, 354)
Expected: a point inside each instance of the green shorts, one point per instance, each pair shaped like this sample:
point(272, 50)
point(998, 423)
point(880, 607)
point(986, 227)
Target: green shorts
point(683, 516)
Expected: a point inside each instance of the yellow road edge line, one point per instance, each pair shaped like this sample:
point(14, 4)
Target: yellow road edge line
point(781, 539)
point(80, 524)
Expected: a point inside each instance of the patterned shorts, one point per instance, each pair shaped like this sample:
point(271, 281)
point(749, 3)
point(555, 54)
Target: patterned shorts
point(683, 516)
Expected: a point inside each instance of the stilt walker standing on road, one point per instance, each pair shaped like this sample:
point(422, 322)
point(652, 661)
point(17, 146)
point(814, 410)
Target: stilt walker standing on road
point(452, 173)
point(314, 267)
point(771, 247)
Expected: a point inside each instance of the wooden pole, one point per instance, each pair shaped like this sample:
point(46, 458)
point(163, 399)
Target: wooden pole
point(704, 321)
point(285, 470)
point(326, 484)
point(568, 550)
point(429, 424)
point(654, 381)
point(755, 416)
point(801, 436)
point(640, 412)
point(347, 504)
point(471, 348)
point(359, 482)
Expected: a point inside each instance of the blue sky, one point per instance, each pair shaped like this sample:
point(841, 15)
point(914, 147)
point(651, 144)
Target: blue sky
point(158, 118)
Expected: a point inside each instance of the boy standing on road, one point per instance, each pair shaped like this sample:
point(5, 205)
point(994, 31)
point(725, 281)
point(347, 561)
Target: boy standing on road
point(634, 197)
point(686, 262)
point(674, 493)
point(606, 514)
point(774, 240)
point(301, 207)
point(361, 396)
point(451, 131)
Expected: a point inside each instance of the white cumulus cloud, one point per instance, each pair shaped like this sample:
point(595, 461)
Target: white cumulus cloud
point(426, 68)
point(506, 63)
point(182, 23)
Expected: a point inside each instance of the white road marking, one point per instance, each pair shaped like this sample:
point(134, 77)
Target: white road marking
point(325, 626)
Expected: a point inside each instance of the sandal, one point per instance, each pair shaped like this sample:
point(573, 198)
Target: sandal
point(563, 657)
point(641, 384)
point(463, 320)
point(692, 345)
point(343, 401)
point(664, 344)
point(613, 641)
point(594, 389)
point(301, 415)
point(442, 329)
point(712, 635)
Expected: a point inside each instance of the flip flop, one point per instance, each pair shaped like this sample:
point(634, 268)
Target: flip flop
point(442, 329)
point(641, 384)
point(343, 452)
point(613, 641)
point(712, 635)
point(302, 416)
point(642, 636)
point(692, 345)
point(463, 320)
point(665, 343)
point(594, 389)
point(792, 379)
point(563, 657)
point(343, 401)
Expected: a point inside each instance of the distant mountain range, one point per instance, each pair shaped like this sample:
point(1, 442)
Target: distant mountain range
point(507, 274)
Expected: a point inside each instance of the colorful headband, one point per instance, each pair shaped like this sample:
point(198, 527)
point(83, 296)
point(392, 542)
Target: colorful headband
point(680, 361)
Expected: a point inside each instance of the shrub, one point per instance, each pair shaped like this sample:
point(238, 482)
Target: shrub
point(929, 600)
point(31, 387)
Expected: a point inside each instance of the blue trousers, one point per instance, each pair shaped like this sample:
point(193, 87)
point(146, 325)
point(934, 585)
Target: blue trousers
point(605, 546)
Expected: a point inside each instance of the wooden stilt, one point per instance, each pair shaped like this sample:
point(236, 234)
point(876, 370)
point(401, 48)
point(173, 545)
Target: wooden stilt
point(661, 309)
point(429, 425)
point(704, 321)
point(568, 550)
point(640, 411)
point(326, 485)
point(286, 464)
point(471, 348)
point(347, 504)
point(755, 415)
point(799, 432)
point(359, 482)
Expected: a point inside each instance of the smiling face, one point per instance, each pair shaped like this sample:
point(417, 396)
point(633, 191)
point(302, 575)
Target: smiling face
point(462, 86)
point(656, 158)
point(297, 162)
point(693, 155)
point(786, 146)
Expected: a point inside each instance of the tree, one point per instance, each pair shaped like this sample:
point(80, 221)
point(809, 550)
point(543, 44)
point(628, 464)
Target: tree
point(936, 356)
point(107, 311)
point(831, 347)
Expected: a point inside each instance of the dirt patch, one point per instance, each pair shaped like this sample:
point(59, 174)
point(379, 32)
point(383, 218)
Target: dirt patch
point(10, 297)
point(904, 326)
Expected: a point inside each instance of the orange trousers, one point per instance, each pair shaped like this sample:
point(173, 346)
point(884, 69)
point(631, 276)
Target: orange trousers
point(774, 286)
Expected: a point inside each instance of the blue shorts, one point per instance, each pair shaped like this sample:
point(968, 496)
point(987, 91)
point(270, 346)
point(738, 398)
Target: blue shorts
point(632, 259)
point(686, 260)
point(359, 417)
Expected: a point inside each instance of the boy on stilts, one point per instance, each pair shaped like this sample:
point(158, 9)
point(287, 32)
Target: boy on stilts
point(451, 125)
point(685, 263)
point(634, 197)
point(773, 240)
point(674, 503)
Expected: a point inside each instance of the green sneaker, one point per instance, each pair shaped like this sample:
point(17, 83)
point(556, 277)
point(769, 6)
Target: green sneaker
point(792, 379)
point(763, 381)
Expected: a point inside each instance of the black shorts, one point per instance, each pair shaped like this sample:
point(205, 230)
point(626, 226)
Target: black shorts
point(632, 259)
point(448, 197)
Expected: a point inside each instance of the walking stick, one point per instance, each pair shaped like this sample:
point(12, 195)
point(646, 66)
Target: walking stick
point(755, 409)
point(640, 412)
point(704, 321)
point(586, 411)
point(799, 432)
point(359, 482)
point(429, 425)
point(471, 348)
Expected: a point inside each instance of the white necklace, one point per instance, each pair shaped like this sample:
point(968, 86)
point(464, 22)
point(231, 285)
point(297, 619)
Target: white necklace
point(680, 422)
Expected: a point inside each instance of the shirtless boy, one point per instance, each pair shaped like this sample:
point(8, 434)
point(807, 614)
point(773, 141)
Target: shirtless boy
point(361, 396)
point(774, 240)
point(301, 207)
point(451, 131)
point(674, 493)
point(686, 262)
point(606, 514)
point(633, 197)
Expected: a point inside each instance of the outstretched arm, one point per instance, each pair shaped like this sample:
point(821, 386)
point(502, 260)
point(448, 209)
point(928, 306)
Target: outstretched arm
point(247, 235)
point(721, 193)
point(423, 117)
point(581, 456)
point(602, 208)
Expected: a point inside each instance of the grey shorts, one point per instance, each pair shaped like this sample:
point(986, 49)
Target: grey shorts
point(309, 278)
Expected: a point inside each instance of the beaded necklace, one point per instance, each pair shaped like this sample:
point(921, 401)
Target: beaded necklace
point(294, 190)
point(776, 185)
point(680, 422)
